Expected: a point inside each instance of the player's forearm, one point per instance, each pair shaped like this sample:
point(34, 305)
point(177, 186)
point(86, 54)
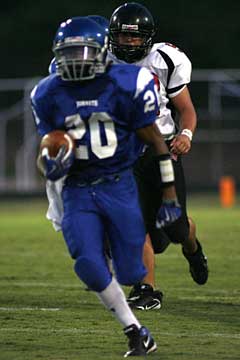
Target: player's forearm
point(185, 108)
point(151, 135)
point(165, 166)
point(188, 120)
point(181, 144)
point(159, 144)
point(160, 147)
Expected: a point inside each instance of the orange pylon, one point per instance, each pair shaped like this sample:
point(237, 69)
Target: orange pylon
point(227, 191)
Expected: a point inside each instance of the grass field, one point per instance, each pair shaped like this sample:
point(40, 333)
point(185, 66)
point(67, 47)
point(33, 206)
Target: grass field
point(46, 313)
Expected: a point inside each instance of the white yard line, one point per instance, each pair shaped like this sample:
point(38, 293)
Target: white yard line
point(206, 298)
point(101, 331)
point(59, 285)
point(202, 335)
point(56, 284)
point(164, 256)
point(28, 309)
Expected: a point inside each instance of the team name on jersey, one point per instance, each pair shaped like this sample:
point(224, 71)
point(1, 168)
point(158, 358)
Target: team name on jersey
point(87, 103)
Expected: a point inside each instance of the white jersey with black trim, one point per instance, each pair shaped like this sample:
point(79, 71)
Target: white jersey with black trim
point(172, 71)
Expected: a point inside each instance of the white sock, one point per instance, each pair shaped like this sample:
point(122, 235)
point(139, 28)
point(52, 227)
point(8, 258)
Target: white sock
point(114, 299)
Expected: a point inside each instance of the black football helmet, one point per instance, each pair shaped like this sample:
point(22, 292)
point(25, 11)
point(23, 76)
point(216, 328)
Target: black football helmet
point(135, 19)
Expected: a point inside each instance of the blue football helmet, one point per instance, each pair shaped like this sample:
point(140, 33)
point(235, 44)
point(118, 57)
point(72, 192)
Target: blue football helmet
point(80, 48)
point(101, 20)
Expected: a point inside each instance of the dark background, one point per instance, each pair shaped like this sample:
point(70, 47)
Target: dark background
point(208, 30)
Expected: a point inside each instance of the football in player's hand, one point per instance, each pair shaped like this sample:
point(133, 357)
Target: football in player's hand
point(54, 140)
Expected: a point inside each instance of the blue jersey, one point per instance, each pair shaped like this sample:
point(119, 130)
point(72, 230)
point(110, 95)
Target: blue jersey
point(101, 115)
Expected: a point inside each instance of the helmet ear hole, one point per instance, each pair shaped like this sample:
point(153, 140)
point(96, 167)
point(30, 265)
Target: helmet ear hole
point(136, 19)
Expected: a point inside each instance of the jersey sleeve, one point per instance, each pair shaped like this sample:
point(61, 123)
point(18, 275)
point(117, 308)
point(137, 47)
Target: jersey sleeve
point(171, 65)
point(42, 110)
point(145, 100)
point(180, 76)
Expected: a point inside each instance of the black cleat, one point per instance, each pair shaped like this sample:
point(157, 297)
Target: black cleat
point(198, 265)
point(144, 297)
point(140, 341)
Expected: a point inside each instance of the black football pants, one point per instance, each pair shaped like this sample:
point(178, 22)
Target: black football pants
point(147, 174)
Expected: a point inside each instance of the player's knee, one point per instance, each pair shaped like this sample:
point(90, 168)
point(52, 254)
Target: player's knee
point(179, 231)
point(180, 237)
point(184, 232)
point(160, 240)
point(94, 275)
point(129, 277)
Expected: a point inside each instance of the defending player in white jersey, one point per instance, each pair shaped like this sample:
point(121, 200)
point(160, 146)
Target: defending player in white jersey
point(131, 32)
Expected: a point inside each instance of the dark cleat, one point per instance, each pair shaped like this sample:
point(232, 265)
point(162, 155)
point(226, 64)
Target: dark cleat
point(144, 297)
point(198, 265)
point(140, 341)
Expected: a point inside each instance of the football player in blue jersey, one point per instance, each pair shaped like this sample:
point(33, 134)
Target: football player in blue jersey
point(131, 32)
point(109, 111)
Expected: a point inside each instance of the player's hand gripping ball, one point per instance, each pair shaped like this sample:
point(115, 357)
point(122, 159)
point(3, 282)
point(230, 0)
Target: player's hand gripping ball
point(56, 154)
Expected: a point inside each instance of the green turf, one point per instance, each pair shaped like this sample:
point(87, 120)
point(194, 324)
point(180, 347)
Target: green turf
point(46, 313)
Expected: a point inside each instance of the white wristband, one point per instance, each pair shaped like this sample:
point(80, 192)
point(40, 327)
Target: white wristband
point(188, 133)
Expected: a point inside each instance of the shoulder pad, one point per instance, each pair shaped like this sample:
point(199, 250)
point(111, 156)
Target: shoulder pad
point(131, 78)
point(176, 55)
point(44, 86)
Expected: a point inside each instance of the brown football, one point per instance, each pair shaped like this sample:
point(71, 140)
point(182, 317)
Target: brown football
point(54, 140)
